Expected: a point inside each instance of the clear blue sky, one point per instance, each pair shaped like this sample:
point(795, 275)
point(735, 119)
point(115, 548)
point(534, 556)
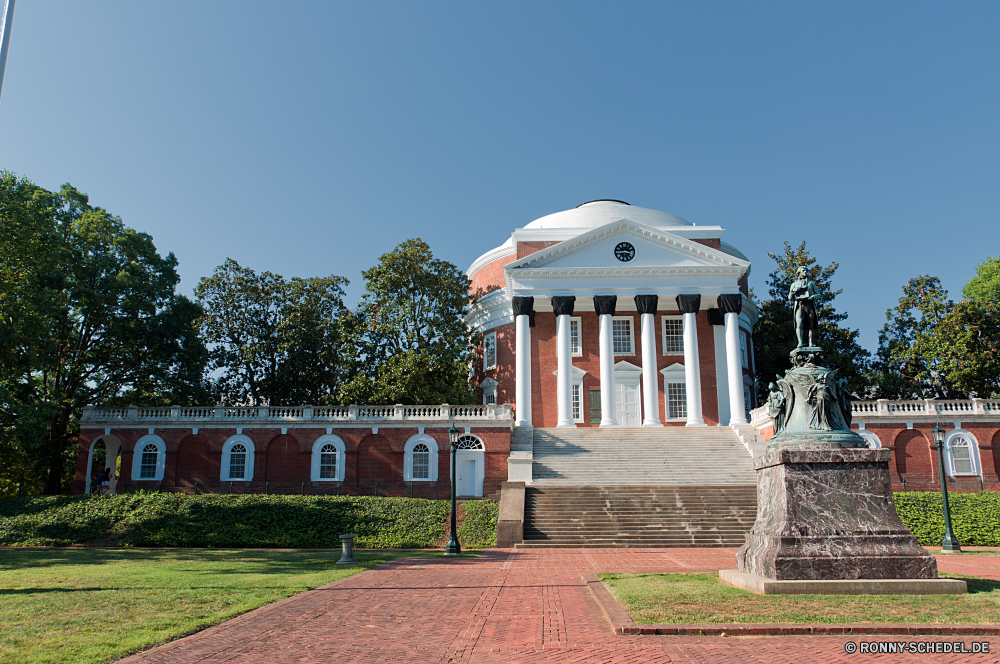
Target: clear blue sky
point(308, 138)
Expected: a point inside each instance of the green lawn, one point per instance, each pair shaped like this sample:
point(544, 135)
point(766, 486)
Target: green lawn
point(702, 598)
point(97, 605)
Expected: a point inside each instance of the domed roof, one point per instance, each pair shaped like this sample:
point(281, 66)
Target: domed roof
point(598, 213)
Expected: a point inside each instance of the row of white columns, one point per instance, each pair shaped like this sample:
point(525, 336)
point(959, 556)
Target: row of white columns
point(605, 307)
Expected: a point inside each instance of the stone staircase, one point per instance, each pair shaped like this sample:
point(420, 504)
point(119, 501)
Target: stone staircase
point(639, 487)
point(654, 456)
point(638, 516)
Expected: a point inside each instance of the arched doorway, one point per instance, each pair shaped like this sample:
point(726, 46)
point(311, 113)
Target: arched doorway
point(196, 463)
point(105, 452)
point(470, 466)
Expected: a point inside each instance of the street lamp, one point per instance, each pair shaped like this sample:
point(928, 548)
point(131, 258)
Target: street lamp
point(453, 548)
point(949, 543)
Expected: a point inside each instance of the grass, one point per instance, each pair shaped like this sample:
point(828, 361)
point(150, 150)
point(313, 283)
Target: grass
point(98, 605)
point(702, 598)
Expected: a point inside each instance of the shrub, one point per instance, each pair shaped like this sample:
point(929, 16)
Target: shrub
point(975, 517)
point(173, 519)
point(479, 529)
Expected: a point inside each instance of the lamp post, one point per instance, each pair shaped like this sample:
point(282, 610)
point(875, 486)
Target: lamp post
point(949, 543)
point(453, 548)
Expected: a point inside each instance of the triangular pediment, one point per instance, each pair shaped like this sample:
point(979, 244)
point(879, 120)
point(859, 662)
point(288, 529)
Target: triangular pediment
point(630, 246)
point(626, 367)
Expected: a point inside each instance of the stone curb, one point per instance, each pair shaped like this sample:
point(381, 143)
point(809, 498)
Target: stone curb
point(621, 623)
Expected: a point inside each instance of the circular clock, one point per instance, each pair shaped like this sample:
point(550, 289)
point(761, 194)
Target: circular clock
point(624, 251)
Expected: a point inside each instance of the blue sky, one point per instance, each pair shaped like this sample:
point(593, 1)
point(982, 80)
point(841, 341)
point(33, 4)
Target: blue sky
point(308, 138)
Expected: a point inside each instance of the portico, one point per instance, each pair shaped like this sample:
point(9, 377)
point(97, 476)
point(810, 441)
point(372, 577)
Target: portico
point(590, 307)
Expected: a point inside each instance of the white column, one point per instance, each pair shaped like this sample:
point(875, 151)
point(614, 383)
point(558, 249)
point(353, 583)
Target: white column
point(607, 348)
point(522, 371)
point(564, 381)
point(737, 407)
point(650, 387)
point(692, 372)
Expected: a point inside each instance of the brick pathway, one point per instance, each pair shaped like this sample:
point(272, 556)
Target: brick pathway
point(528, 606)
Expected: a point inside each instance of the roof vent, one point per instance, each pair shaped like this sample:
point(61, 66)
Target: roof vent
point(603, 200)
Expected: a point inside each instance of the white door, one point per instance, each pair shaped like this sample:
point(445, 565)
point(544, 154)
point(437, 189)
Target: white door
point(627, 404)
point(466, 477)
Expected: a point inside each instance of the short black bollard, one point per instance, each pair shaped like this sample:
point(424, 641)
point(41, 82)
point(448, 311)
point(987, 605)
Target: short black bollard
point(338, 488)
point(302, 489)
point(411, 489)
point(376, 489)
point(196, 488)
point(347, 557)
point(265, 488)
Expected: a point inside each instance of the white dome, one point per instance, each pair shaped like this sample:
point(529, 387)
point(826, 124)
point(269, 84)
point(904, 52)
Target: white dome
point(598, 213)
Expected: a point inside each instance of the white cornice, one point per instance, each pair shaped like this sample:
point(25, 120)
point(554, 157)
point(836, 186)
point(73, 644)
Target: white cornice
point(490, 311)
point(502, 251)
point(561, 234)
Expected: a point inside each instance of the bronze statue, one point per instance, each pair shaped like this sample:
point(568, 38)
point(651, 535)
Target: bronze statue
point(779, 403)
point(803, 293)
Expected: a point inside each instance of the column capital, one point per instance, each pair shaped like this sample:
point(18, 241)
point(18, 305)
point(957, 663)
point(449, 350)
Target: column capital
point(524, 306)
point(689, 304)
point(731, 303)
point(715, 317)
point(604, 305)
point(646, 304)
point(563, 306)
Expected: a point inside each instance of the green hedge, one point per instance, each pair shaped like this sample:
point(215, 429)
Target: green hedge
point(173, 519)
point(975, 517)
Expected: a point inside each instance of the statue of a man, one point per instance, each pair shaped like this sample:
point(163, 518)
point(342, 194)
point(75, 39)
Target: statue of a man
point(803, 293)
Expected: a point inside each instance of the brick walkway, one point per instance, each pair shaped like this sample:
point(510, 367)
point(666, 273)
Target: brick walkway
point(528, 606)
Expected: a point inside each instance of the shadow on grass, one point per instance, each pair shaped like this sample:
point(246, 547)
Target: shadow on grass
point(976, 584)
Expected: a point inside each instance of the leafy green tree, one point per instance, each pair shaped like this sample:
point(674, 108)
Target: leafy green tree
point(274, 341)
point(414, 346)
point(931, 347)
point(985, 286)
point(96, 320)
point(775, 329)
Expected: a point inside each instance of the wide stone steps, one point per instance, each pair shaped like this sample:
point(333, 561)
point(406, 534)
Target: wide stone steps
point(670, 456)
point(638, 516)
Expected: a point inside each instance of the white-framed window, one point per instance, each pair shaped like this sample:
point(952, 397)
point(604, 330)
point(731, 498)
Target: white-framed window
point(327, 463)
point(674, 392)
point(489, 387)
point(744, 355)
point(470, 460)
point(149, 459)
point(963, 453)
point(673, 335)
point(871, 439)
point(420, 459)
point(575, 338)
point(470, 442)
point(576, 392)
point(489, 351)
point(621, 335)
point(237, 459)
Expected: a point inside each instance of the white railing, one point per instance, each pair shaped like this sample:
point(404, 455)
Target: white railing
point(296, 414)
point(903, 410)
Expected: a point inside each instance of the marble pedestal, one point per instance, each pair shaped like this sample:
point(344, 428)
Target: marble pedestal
point(824, 513)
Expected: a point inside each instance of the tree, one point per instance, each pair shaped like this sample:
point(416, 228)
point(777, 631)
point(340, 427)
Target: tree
point(102, 324)
point(931, 347)
point(840, 346)
point(410, 330)
point(985, 286)
point(274, 341)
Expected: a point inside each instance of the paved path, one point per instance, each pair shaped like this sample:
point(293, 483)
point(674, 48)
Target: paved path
point(528, 606)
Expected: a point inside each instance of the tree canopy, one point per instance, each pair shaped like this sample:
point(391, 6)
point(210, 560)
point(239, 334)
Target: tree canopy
point(274, 341)
point(413, 344)
point(90, 316)
point(776, 327)
point(985, 286)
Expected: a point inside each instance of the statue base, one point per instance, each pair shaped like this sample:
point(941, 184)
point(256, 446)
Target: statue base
point(825, 511)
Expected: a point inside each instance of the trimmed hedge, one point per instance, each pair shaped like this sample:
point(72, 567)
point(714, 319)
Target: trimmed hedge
point(174, 519)
point(975, 517)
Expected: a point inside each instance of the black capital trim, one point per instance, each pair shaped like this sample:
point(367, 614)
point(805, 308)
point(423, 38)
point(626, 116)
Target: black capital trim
point(646, 304)
point(563, 306)
point(605, 304)
point(731, 303)
point(524, 306)
point(689, 304)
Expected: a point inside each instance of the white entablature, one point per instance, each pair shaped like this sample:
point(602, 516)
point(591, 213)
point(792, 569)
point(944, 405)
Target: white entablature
point(661, 263)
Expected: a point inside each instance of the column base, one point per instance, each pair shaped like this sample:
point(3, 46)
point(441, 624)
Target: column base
point(738, 422)
point(609, 423)
point(652, 423)
point(696, 423)
point(565, 425)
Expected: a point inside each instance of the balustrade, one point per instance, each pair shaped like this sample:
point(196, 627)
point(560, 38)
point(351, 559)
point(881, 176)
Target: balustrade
point(905, 410)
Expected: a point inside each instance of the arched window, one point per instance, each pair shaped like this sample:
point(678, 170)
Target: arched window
point(149, 459)
point(470, 442)
point(870, 438)
point(963, 453)
point(237, 459)
point(147, 470)
point(328, 459)
point(420, 462)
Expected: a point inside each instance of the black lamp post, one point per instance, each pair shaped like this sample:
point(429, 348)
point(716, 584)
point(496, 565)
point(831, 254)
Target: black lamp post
point(453, 548)
point(949, 543)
